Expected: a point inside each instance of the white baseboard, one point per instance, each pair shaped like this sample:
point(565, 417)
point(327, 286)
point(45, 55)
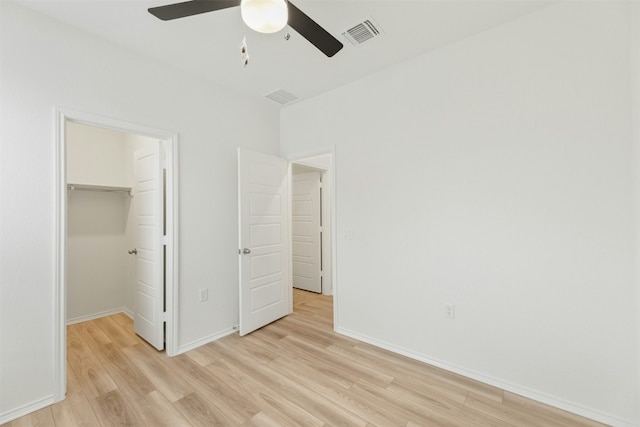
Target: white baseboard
point(94, 316)
point(206, 340)
point(516, 389)
point(26, 409)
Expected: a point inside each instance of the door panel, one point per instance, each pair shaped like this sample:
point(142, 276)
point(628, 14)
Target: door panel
point(148, 204)
point(265, 291)
point(305, 230)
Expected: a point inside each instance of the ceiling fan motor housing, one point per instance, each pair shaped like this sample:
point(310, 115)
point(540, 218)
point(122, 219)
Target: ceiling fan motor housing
point(264, 16)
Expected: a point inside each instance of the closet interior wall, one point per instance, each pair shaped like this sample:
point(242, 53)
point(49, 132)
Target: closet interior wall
point(100, 273)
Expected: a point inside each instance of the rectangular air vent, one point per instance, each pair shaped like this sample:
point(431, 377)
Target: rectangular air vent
point(281, 96)
point(363, 31)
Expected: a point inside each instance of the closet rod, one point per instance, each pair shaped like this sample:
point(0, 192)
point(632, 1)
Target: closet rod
point(99, 188)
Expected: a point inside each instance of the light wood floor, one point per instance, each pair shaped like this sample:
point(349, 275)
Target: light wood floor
point(294, 372)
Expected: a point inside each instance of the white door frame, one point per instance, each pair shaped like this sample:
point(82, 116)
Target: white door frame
point(298, 158)
point(62, 116)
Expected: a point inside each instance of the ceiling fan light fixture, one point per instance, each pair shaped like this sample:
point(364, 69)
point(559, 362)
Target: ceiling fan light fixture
point(264, 16)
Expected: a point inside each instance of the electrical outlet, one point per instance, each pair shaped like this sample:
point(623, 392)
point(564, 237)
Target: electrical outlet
point(450, 311)
point(204, 294)
point(348, 234)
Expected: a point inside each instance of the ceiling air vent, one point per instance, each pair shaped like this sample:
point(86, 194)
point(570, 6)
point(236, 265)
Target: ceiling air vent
point(281, 96)
point(363, 31)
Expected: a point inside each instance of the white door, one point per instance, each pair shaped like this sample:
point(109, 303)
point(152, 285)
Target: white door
point(305, 231)
point(265, 291)
point(148, 201)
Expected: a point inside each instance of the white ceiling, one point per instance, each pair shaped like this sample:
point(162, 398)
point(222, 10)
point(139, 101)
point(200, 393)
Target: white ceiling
point(208, 45)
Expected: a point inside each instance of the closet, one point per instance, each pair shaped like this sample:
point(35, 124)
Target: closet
point(100, 278)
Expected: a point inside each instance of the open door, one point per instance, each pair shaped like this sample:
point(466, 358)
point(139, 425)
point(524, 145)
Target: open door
point(265, 291)
point(148, 321)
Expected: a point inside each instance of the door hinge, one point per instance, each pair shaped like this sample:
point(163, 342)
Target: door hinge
point(164, 316)
point(164, 240)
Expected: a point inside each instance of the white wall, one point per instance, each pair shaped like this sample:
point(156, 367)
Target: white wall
point(495, 174)
point(96, 156)
point(46, 64)
point(96, 222)
point(96, 254)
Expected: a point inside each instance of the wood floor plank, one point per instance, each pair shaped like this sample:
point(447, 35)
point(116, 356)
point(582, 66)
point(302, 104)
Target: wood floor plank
point(199, 412)
point(230, 405)
point(172, 385)
point(127, 375)
point(130, 379)
point(366, 408)
point(91, 374)
point(553, 416)
point(504, 413)
point(418, 389)
point(429, 412)
point(203, 355)
point(404, 367)
point(40, 418)
point(258, 353)
point(343, 369)
point(161, 412)
point(293, 372)
point(261, 419)
point(93, 331)
point(123, 320)
point(114, 409)
point(302, 396)
point(277, 406)
point(120, 335)
point(76, 409)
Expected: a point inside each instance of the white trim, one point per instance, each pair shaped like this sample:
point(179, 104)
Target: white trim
point(634, 17)
point(172, 244)
point(99, 315)
point(60, 300)
point(26, 409)
point(289, 233)
point(334, 217)
point(62, 115)
point(512, 388)
point(206, 340)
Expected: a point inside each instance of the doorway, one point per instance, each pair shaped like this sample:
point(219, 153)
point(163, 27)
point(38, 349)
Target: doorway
point(307, 169)
point(100, 221)
point(323, 162)
point(306, 229)
point(264, 230)
point(86, 197)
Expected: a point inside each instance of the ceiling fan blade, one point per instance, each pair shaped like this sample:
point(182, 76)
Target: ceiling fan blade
point(310, 30)
point(190, 8)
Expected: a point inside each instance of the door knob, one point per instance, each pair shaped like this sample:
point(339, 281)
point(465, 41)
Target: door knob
point(133, 251)
point(246, 251)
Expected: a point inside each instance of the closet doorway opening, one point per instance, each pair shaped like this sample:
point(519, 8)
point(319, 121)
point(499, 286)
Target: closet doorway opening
point(117, 229)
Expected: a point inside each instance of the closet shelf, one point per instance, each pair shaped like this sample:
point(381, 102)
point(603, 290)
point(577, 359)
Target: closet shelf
point(98, 188)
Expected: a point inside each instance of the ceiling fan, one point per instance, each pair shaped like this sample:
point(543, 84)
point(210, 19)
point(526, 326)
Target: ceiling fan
point(265, 16)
